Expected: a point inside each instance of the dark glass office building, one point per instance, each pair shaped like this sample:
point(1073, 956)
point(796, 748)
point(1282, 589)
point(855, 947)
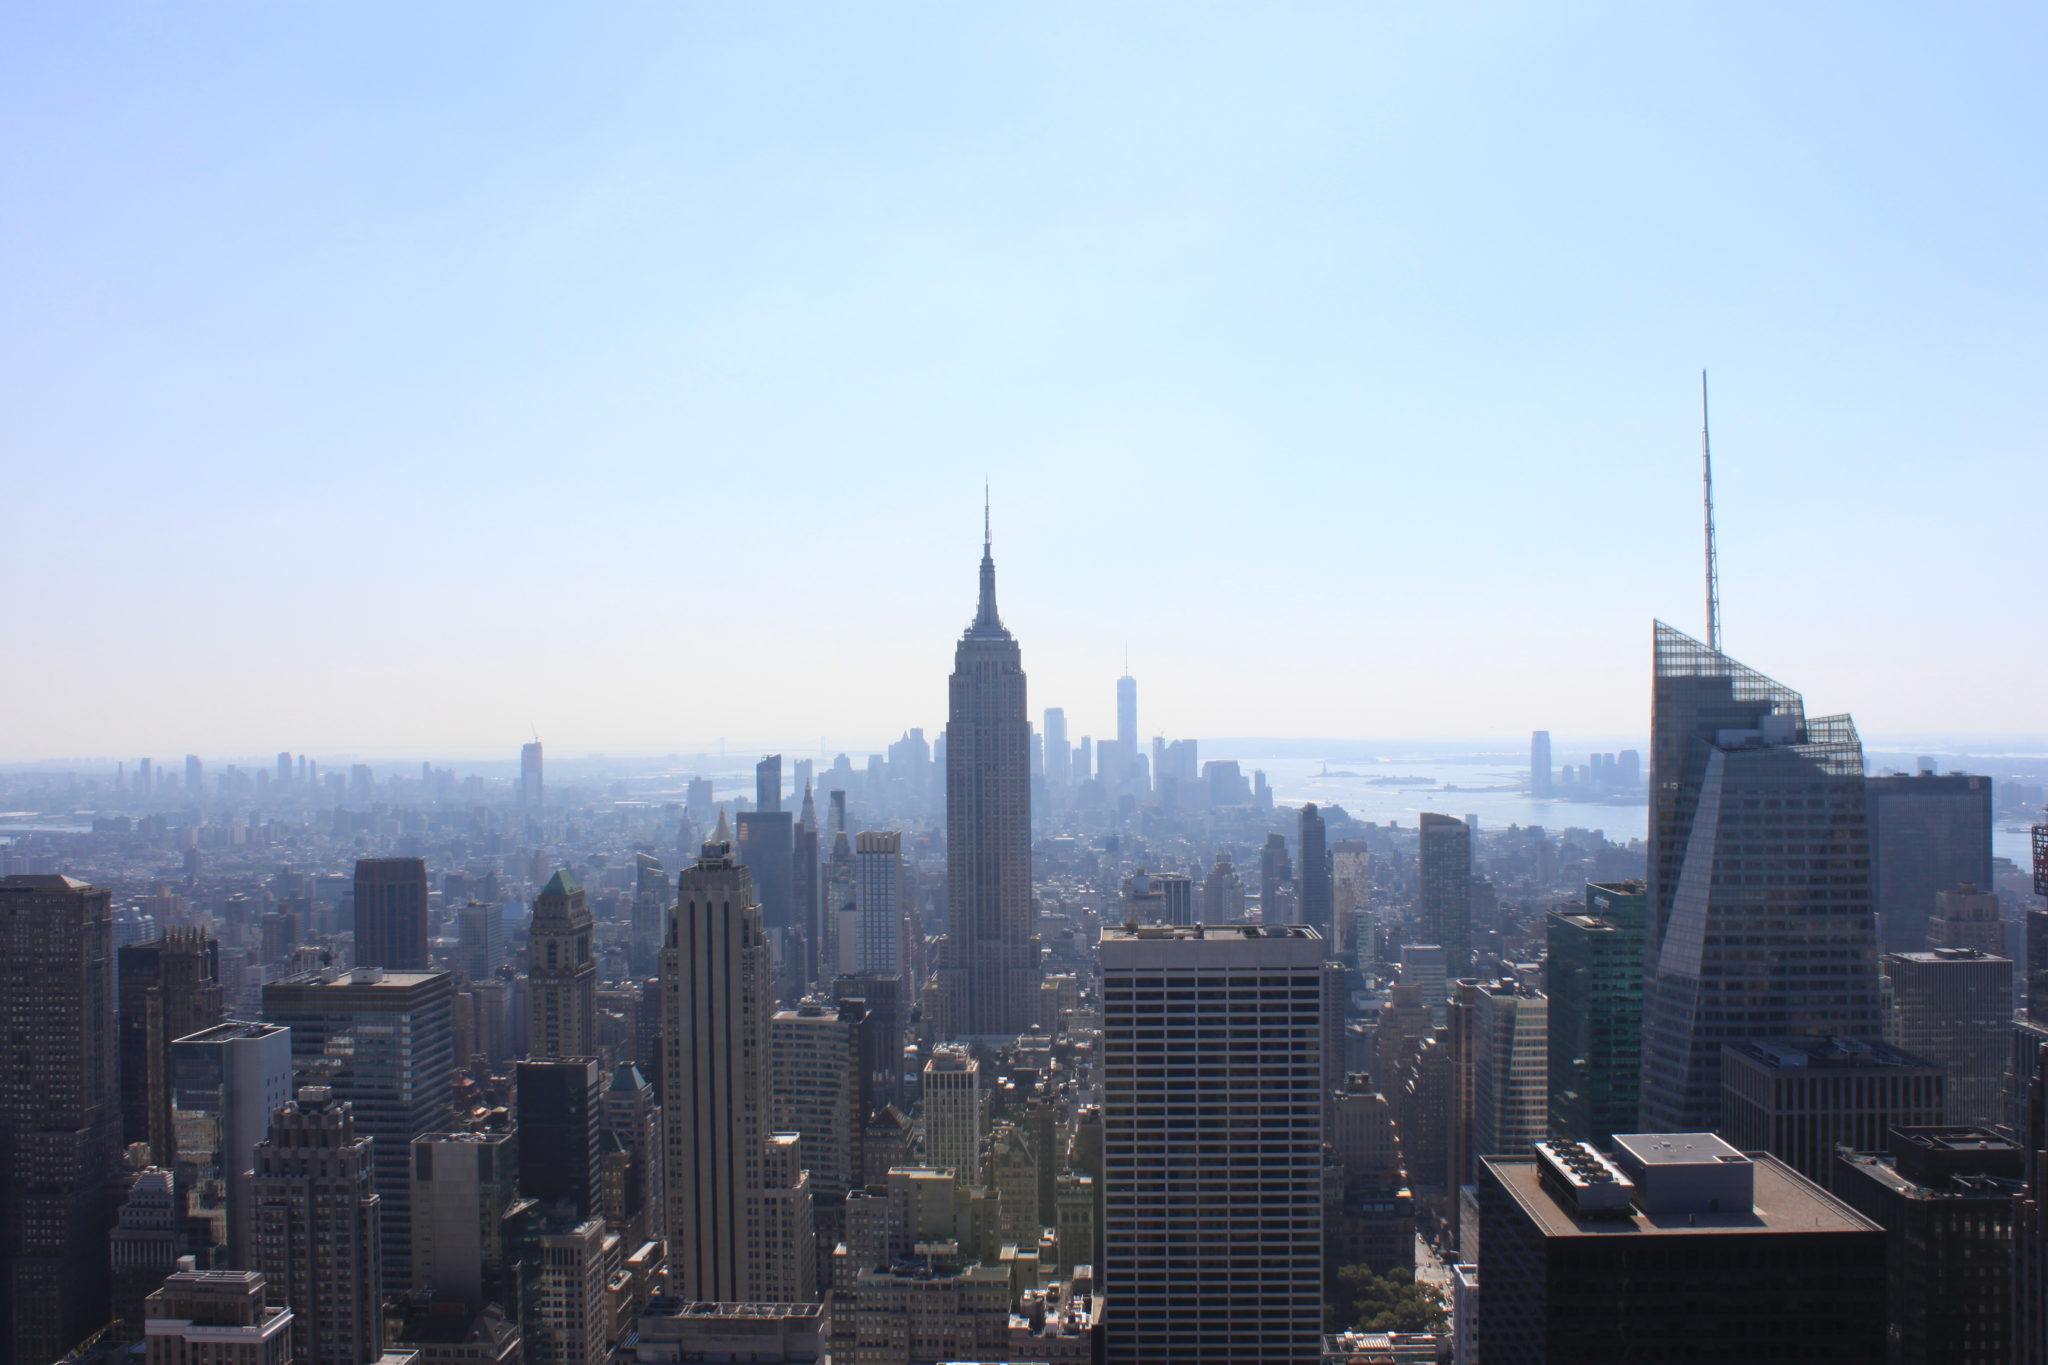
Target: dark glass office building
point(1595, 982)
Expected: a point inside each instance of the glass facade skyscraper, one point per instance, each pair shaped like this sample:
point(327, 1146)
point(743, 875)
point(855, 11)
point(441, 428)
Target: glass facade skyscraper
point(1761, 920)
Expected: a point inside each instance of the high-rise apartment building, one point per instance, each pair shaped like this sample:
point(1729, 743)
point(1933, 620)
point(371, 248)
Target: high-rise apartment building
point(60, 1120)
point(1445, 872)
point(1801, 1099)
point(391, 913)
point(1314, 902)
point(1510, 1069)
point(1760, 922)
point(989, 970)
point(1929, 833)
point(384, 1043)
point(532, 791)
point(1677, 1247)
point(1540, 770)
point(168, 988)
point(1594, 978)
point(716, 1100)
point(1212, 1143)
point(215, 1317)
point(1953, 1006)
point(882, 932)
point(562, 978)
point(317, 1233)
point(955, 1114)
point(226, 1082)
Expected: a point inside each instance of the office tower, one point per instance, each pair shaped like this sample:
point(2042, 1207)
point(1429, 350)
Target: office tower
point(1059, 756)
point(60, 1120)
point(531, 790)
point(715, 1100)
point(765, 847)
point(1510, 1066)
point(1760, 921)
point(195, 779)
point(284, 770)
point(463, 1186)
point(226, 1082)
point(989, 961)
point(385, 1043)
point(821, 1090)
point(1967, 918)
point(1801, 1098)
point(1222, 893)
point(562, 977)
point(561, 1108)
point(167, 988)
point(1945, 1198)
point(391, 913)
point(1127, 714)
point(1314, 906)
point(1212, 1065)
point(1425, 965)
point(785, 1253)
point(1953, 1006)
point(768, 783)
point(566, 1322)
point(806, 889)
point(317, 1229)
point(1444, 870)
point(1539, 763)
point(216, 1317)
point(1276, 879)
point(882, 938)
point(1177, 898)
point(631, 1156)
point(1928, 834)
point(1675, 1241)
point(143, 1247)
point(479, 940)
point(1594, 978)
point(955, 1114)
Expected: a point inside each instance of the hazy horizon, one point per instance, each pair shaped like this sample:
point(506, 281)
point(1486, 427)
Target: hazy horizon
point(402, 380)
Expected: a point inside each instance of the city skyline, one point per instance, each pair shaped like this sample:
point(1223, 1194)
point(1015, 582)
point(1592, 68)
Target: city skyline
point(1417, 300)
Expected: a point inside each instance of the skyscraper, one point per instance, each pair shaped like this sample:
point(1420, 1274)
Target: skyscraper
point(168, 987)
point(1445, 871)
point(1539, 763)
point(1929, 833)
point(391, 913)
point(1953, 1006)
point(882, 932)
point(766, 846)
point(317, 1229)
point(715, 1100)
point(1594, 978)
point(1510, 1052)
point(1059, 755)
point(226, 1082)
point(562, 981)
point(990, 973)
point(561, 1113)
point(1212, 1144)
point(1314, 903)
point(221, 1317)
point(60, 1122)
point(1760, 922)
point(955, 1114)
point(531, 791)
point(385, 1042)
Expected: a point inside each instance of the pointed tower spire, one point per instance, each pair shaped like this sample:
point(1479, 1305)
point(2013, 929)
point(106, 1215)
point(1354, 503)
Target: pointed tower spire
point(986, 621)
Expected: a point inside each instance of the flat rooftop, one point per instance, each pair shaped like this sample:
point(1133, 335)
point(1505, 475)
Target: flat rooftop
point(1823, 1054)
point(1158, 933)
point(1785, 1202)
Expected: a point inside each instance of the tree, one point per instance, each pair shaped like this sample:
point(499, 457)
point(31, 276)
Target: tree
point(1392, 1302)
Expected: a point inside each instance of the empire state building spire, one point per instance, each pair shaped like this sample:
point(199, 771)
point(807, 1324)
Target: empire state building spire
point(987, 624)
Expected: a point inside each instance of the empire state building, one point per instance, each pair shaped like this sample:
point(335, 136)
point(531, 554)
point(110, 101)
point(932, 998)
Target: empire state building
point(989, 974)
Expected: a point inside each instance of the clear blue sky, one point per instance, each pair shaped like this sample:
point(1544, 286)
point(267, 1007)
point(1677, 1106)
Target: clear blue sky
point(389, 377)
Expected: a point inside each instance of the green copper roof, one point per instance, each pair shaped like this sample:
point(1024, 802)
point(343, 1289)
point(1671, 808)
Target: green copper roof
point(561, 884)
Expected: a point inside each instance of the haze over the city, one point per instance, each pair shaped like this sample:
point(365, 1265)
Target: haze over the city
point(394, 379)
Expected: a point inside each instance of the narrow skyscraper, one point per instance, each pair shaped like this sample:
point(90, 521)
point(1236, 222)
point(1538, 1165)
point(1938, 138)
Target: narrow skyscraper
point(1539, 763)
point(1760, 922)
point(562, 983)
point(989, 974)
point(391, 913)
point(1314, 879)
point(530, 789)
point(1446, 876)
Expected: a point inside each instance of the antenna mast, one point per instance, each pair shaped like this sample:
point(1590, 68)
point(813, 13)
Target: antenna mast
point(1713, 557)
